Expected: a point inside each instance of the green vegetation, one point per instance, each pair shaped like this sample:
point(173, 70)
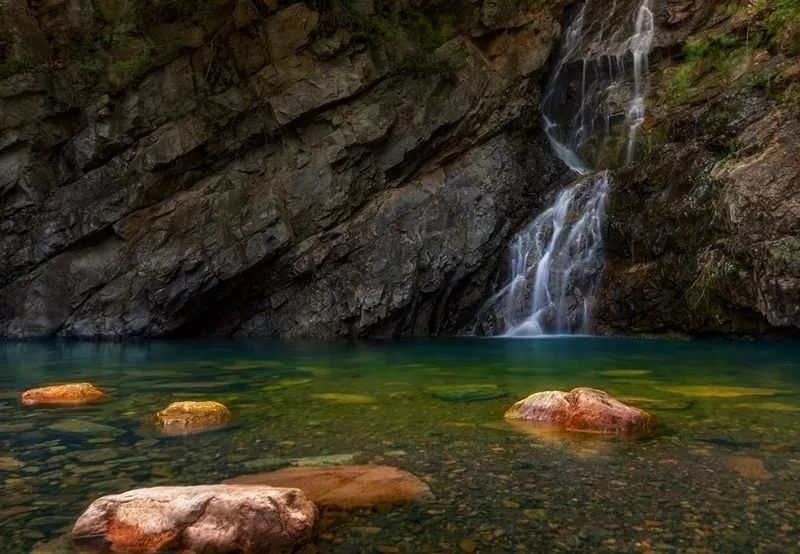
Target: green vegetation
point(716, 59)
point(787, 250)
point(776, 22)
point(410, 36)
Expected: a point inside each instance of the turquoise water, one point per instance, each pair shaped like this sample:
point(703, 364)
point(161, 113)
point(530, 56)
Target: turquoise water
point(720, 473)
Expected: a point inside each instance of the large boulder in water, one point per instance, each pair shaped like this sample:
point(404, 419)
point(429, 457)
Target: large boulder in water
point(347, 487)
point(181, 418)
point(68, 394)
point(209, 518)
point(582, 409)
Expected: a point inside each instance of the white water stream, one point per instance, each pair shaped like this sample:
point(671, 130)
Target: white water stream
point(556, 262)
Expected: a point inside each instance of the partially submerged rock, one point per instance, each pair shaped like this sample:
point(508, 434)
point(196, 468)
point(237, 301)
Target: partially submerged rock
point(466, 393)
point(68, 394)
point(345, 398)
point(84, 427)
point(581, 409)
point(748, 467)
point(181, 418)
point(208, 518)
point(347, 487)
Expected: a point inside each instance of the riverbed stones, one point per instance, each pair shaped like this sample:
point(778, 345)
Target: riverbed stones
point(68, 394)
point(207, 518)
point(346, 487)
point(181, 418)
point(582, 409)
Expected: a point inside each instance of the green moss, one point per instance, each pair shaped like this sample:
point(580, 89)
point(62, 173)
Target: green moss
point(787, 250)
point(715, 62)
point(11, 67)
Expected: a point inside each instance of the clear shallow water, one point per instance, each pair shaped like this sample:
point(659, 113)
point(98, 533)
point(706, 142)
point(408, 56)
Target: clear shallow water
point(496, 488)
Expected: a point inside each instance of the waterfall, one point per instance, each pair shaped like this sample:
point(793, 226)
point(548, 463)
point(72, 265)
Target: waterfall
point(593, 111)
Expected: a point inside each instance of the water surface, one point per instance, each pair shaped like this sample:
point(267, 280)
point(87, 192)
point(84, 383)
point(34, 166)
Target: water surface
point(696, 483)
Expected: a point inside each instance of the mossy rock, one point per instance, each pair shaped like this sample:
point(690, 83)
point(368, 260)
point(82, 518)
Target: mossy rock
point(718, 391)
point(466, 393)
point(342, 398)
point(83, 427)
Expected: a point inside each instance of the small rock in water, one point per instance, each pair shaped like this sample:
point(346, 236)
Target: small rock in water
point(84, 427)
point(718, 391)
point(466, 393)
point(346, 487)
point(581, 409)
point(182, 418)
point(328, 460)
point(9, 463)
point(748, 467)
point(218, 518)
point(69, 394)
point(342, 398)
point(468, 545)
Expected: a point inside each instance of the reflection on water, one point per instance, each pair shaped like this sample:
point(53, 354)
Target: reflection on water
point(721, 472)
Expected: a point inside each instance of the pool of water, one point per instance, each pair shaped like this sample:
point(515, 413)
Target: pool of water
point(696, 484)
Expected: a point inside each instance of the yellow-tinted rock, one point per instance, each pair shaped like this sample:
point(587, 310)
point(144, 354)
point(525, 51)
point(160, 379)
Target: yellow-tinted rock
point(718, 391)
point(625, 372)
point(748, 467)
point(343, 398)
point(68, 394)
point(771, 406)
point(181, 418)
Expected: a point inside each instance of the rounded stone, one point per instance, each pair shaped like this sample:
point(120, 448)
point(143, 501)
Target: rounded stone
point(68, 394)
point(582, 409)
point(181, 418)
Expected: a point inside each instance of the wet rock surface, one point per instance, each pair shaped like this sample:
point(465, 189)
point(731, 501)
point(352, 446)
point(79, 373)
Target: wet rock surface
point(70, 394)
point(192, 416)
point(347, 487)
point(212, 518)
point(702, 230)
point(581, 409)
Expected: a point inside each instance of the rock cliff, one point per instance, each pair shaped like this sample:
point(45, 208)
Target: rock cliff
point(244, 168)
point(703, 233)
point(349, 168)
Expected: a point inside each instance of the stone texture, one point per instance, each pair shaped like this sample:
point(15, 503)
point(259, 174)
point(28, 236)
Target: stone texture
point(582, 409)
point(69, 394)
point(181, 418)
point(242, 187)
point(346, 487)
point(210, 518)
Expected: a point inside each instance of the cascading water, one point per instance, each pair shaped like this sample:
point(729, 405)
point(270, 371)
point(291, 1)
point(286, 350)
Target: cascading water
point(593, 111)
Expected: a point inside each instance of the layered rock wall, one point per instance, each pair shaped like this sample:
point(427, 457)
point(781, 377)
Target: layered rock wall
point(269, 172)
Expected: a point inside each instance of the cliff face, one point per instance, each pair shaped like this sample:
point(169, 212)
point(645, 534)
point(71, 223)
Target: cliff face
point(253, 169)
point(238, 168)
point(704, 231)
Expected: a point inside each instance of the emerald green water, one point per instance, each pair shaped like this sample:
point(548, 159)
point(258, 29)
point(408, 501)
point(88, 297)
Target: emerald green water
point(497, 489)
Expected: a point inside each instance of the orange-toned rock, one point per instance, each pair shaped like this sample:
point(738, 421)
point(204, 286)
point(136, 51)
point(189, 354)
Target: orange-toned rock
point(581, 409)
point(208, 518)
point(181, 418)
point(347, 487)
point(68, 394)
